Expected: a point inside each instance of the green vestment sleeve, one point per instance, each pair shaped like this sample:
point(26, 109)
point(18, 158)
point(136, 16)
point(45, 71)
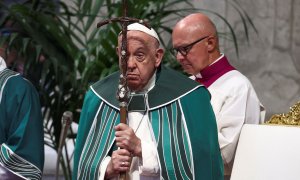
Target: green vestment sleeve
point(21, 133)
point(203, 134)
point(86, 119)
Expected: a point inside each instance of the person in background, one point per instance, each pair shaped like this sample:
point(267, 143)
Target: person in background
point(21, 125)
point(234, 101)
point(171, 131)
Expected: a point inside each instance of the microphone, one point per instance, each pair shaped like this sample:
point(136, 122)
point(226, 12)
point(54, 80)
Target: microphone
point(66, 119)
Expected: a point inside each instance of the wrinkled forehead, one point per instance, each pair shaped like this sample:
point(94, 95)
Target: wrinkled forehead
point(137, 36)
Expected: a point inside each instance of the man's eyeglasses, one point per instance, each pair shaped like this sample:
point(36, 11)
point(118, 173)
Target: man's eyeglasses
point(184, 50)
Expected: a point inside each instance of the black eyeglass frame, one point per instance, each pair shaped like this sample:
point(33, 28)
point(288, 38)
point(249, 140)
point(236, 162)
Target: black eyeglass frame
point(184, 50)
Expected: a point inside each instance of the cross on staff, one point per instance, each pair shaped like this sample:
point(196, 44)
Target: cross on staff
point(123, 91)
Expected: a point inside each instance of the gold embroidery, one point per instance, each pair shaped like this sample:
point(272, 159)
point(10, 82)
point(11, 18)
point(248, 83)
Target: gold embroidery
point(290, 118)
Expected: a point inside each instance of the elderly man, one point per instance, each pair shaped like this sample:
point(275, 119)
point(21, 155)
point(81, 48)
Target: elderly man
point(234, 100)
point(21, 126)
point(171, 131)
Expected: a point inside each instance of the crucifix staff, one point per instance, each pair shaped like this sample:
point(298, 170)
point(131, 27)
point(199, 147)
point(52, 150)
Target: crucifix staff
point(123, 90)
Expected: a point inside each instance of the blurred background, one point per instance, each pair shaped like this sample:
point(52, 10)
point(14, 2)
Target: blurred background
point(56, 45)
point(270, 56)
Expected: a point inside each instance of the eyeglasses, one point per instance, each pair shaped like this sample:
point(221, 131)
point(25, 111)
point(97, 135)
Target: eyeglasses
point(184, 50)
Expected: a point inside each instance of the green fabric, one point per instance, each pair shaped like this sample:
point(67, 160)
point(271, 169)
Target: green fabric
point(137, 102)
point(21, 125)
point(88, 113)
point(183, 124)
point(175, 155)
point(17, 164)
point(203, 160)
point(162, 93)
point(202, 126)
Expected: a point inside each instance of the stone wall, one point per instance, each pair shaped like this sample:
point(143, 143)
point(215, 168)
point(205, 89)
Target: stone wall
point(271, 58)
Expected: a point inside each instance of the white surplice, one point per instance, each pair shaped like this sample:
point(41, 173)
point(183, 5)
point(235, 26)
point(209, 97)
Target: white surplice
point(235, 103)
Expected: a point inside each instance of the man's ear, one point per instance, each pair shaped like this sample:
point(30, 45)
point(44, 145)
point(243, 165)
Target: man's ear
point(158, 56)
point(211, 43)
point(117, 50)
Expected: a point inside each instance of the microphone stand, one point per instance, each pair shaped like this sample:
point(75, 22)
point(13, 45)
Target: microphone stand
point(67, 119)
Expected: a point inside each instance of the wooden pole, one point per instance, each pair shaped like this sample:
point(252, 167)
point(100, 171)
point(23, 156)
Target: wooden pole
point(123, 91)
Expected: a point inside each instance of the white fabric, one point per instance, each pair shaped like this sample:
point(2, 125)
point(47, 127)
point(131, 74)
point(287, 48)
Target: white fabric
point(2, 67)
point(267, 152)
point(2, 64)
point(140, 27)
point(235, 103)
point(103, 167)
point(147, 167)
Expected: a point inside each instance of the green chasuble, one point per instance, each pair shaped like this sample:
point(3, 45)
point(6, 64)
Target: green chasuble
point(182, 120)
point(21, 126)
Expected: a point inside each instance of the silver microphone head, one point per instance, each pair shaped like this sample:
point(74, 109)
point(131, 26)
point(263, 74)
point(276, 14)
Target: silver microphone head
point(67, 118)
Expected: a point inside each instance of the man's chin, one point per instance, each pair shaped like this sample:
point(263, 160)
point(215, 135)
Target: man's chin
point(133, 85)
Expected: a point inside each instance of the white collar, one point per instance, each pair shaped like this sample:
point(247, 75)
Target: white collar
point(2, 64)
point(150, 85)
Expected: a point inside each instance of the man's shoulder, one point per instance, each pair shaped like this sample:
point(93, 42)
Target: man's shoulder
point(170, 86)
point(106, 89)
point(235, 79)
point(5, 75)
point(19, 81)
point(107, 85)
point(170, 77)
point(14, 80)
point(108, 80)
point(233, 82)
point(200, 92)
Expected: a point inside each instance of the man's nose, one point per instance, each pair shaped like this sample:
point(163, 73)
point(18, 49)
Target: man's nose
point(130, 63)
point(179, 57)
